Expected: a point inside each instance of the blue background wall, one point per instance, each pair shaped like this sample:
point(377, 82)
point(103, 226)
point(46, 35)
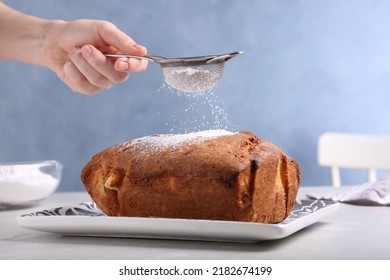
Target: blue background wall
point(309, 67)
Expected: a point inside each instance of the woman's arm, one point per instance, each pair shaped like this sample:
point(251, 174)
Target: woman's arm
point(22, 36)
point(73, 50)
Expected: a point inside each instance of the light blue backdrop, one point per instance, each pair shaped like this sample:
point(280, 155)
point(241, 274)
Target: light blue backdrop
point(309, 67)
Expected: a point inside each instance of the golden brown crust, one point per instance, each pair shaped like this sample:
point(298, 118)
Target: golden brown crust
point(237, 177)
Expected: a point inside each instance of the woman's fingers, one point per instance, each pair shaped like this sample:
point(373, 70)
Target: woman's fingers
point(101, 71)
point(112, 36)
point(130, 65)
point(89, 71)
point(124, 44)
point(102, 65)
point(76, 80)
point(93, 75)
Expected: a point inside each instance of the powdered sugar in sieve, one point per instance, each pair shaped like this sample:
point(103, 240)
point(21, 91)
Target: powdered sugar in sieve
point(193, 78)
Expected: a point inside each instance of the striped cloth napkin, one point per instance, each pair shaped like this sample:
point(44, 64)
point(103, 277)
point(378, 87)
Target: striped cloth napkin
point(370, 194)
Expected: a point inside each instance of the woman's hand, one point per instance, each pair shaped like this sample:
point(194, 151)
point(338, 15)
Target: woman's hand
point(74, 51)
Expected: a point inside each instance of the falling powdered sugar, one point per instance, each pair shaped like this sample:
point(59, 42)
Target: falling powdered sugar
point(198, 107)
point(195, 112)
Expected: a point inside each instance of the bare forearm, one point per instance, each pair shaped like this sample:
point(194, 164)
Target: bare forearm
point(22, 36)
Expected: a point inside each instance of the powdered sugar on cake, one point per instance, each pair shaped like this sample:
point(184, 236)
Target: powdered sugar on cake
point(163, 141)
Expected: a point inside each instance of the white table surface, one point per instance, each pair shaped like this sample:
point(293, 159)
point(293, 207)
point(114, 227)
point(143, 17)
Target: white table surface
point(353, 232)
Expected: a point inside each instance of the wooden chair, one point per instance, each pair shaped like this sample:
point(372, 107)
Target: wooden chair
point(353, 151)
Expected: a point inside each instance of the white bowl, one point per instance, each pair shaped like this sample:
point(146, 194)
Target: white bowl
point(25, 183)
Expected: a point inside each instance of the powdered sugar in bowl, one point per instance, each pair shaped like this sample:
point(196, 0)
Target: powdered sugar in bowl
point(25, 183)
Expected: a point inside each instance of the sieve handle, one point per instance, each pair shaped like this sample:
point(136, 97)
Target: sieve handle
point(146, 57)
point(224, 57)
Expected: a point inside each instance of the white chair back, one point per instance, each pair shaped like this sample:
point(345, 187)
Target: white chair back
point(353, 151)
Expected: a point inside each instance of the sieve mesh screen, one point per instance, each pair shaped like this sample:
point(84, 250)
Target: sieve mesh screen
point(193, 78)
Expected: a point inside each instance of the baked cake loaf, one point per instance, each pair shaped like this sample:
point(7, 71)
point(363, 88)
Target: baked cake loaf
point(214, 175)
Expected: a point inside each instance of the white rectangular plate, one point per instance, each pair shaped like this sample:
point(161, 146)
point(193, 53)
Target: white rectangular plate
point(85, 219)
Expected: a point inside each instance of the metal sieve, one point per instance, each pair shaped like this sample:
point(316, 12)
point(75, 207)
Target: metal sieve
point(189, 74)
